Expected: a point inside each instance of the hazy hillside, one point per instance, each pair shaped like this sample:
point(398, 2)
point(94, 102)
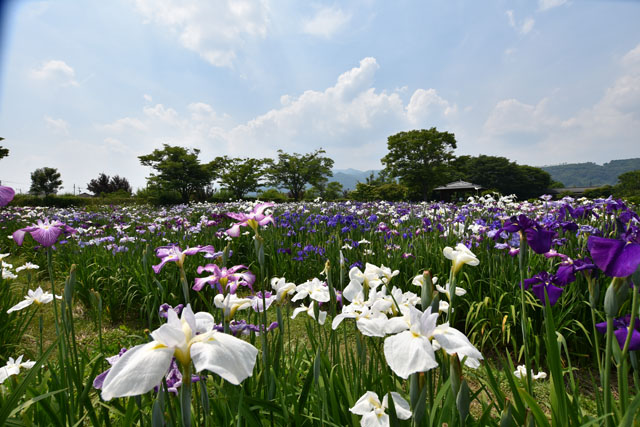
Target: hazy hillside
point(350, 177)
point(591, 174)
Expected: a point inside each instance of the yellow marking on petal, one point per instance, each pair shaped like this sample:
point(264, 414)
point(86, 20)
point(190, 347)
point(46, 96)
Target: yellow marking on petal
point(158, 346)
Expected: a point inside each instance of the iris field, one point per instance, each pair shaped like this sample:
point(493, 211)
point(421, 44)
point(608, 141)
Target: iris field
point(493, 312)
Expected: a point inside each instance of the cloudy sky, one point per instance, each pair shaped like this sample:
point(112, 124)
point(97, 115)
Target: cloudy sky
point(87, 86)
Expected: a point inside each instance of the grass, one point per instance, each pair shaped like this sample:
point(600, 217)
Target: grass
point(115, 336)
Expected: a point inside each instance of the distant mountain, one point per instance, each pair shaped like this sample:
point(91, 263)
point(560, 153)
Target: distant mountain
point(350, 177)
point(591, 174)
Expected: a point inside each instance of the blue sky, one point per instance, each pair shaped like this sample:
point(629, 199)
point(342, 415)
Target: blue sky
point(87, 86)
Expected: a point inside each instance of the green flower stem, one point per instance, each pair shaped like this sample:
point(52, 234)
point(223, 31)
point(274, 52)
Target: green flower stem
point(452, 293)
point(185, 285)
point(623, 370)
point(523, 312)
point(61, 342)
point(40, 328)
point(185, 395)
point(634, 310)
point(607, 372)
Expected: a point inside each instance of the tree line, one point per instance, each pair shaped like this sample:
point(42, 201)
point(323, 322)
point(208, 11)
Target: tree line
point(417, 162)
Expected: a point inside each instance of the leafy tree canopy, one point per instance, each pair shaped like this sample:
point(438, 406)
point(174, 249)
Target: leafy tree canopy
point(45, 181)
point(629, 183)
point(503, 175)
point(295, 171)
point(240, 176)
point(4, 152)
point(105, 184)
point(419, 158)
point(178, 169)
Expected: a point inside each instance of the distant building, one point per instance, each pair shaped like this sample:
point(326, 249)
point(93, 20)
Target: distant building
point(457, 189)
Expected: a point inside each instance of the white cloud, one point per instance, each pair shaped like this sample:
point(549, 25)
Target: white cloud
point(512, 116)
point(215, 30)
point(523, 27)
point(632, 58)
point(533, 135)
point(115, 145)
point(550, 4)
point(327, 22)
point(350, 119)
point(58, 126)
point(56, 71)
point(124, 124)
point(424, 104)
point(147, 97)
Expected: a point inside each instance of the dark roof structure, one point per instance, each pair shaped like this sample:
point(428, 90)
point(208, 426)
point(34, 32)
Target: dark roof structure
point(459, 185)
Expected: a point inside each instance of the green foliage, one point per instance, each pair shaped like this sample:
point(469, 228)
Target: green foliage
point(179, 169)
point(591, 174)
point(295, 171)
point(419, 158)
point(240, 176)
point(4, 152)
point(273, 195)
point(629, 183)
point(604, 192)
point(503, 175)
point(388, 191)
point(106, 185)
point(65, 201)
point(45, 181)
point(331, 191)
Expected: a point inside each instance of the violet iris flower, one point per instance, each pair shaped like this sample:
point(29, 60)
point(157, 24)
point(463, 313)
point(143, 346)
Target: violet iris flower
point(163, 311)
point(174, 254)
point(542, 281)
point(253, 219)
point(6, 195)
point(616, 258)
point(538, 238)
point(224, 278)
point(621, 326)
point(568, 268)
point(44, 232)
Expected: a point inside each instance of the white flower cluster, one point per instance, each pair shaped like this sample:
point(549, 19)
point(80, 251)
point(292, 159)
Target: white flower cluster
point(13, 367)
point(8, 271)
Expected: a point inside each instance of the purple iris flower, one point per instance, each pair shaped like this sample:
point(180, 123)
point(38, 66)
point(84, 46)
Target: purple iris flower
point(542, 281)
point(568, 268)
point(616, 258)
point(173, 253)
point(6, 195)
point(163, 311)
point(538, 238)
point(621, 326)
point(224, 278)
point(253, 219)
point(174, 378)
point(44, 232)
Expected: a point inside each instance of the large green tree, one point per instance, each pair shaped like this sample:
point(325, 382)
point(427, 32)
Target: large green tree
point(45, 181)
point(419, 158)
point(295, 171)
point(240, 176)
point(629, 183)
point(104, 184)
point(178, 169)
point(502, 175)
